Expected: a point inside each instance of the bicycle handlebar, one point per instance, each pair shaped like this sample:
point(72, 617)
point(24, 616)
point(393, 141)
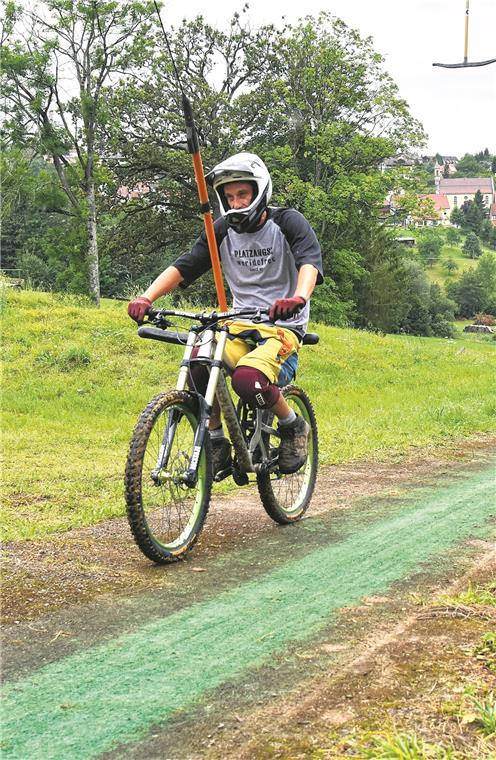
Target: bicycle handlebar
point(158, 318)
point(206, 317)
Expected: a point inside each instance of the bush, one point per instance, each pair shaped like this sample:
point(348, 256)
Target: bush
point(328, 309)
point(34, 270)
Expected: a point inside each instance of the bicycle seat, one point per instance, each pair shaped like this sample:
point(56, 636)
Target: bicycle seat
point(310, 339)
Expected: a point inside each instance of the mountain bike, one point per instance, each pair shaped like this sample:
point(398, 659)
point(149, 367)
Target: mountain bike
point(169, 475)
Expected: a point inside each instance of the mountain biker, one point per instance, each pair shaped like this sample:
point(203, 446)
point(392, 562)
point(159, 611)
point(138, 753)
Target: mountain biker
point(271, 260)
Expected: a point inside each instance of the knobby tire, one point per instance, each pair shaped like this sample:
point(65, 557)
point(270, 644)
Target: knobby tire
point(287, 497)
point(167, 517)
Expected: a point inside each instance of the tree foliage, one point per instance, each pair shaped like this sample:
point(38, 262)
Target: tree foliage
point(312, 99)
point(429, 246)
point(85, 43)
point(475, 289)
point(472, 246)
point(474, 165)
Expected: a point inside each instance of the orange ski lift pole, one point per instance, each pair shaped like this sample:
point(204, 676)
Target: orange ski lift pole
point(205, 208)
point(465, 55)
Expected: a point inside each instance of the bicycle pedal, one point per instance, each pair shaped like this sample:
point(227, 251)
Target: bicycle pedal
point(222, 474)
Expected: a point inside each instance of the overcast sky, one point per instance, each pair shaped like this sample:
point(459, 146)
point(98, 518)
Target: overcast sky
point(457, 107)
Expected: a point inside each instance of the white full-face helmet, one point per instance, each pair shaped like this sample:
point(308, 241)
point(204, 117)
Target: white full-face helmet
point(243, 167)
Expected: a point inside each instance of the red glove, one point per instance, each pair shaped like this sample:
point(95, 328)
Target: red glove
point(138, 308)
point(284, 308)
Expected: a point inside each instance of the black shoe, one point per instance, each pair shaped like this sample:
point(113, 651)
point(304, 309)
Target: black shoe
point(221, 454)
point(293, 450)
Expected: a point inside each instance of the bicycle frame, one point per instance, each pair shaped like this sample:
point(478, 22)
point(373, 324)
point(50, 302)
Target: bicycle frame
point(211, 346)
point(211, 353)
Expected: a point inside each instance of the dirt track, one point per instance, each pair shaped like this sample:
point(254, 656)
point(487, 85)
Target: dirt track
point(46, 575)
point(379, 663)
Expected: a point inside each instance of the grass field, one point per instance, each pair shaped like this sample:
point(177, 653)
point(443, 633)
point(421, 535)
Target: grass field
point(77, 377)
point(437, 273)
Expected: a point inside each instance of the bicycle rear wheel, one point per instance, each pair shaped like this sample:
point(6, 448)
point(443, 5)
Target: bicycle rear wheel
point(286, 497)
point(165, 515)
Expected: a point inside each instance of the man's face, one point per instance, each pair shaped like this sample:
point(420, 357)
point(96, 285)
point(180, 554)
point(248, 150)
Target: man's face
point(238, 194)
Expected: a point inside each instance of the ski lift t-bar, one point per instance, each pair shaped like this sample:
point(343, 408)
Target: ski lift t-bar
point(465, 54)
point(205, 208)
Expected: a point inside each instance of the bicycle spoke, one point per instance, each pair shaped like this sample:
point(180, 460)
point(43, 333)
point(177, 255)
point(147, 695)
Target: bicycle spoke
point(165, 514)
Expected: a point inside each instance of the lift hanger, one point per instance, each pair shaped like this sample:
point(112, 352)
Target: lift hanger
point(465, 63)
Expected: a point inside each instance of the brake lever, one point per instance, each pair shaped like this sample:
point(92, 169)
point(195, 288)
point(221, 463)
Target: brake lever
point(157, 319)
point(162, 322)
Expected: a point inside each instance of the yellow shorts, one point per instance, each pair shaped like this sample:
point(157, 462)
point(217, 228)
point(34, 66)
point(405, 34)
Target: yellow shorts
point(268, 348)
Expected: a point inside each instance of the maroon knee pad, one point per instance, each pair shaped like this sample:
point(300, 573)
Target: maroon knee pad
point(254, 387)
point(198, 374)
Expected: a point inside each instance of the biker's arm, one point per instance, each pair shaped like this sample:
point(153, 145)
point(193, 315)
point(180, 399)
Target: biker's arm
point(307, 279)
point(164, 283)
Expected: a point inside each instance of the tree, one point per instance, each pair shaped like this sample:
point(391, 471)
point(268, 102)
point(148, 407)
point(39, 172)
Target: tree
point(40, 235)
point(474, 213)
point(475, 290)
point(457, 217)
point(381, 294)
point(468, 293)
point(415, 207)
point(472, 246)
point(90, 43)
point(453, 235)
point(429, 247)
point(486, 274)
point(442, 312)
point(486, 231)
point(450, 265)
point(312, 99)
point(471, 166)
point(145, 133)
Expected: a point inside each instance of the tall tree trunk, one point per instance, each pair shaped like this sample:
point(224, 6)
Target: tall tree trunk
point(92, 254)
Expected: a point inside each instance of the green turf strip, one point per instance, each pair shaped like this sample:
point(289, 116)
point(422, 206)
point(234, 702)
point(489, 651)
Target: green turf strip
point(88, 703)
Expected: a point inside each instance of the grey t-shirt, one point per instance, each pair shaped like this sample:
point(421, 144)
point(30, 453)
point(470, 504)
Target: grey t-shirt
point(260, 266)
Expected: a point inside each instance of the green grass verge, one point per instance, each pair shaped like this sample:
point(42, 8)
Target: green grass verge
point(77, 377)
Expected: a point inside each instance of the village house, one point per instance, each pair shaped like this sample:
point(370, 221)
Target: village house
point(458, 191)
point(441, 210)
point(492, 214)
point(448, 167)
point(401, 161)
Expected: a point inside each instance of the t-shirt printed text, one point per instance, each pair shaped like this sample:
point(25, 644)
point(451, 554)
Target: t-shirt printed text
point(254, 258)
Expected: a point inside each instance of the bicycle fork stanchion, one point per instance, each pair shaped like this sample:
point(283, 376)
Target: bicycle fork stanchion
point(165, 448)
point(182, 380)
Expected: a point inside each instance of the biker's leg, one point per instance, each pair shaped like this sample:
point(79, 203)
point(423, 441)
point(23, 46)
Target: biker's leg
point(255, 381)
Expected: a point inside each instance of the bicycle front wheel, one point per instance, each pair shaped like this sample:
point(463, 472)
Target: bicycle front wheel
point(165, 515)
point(287, 497)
